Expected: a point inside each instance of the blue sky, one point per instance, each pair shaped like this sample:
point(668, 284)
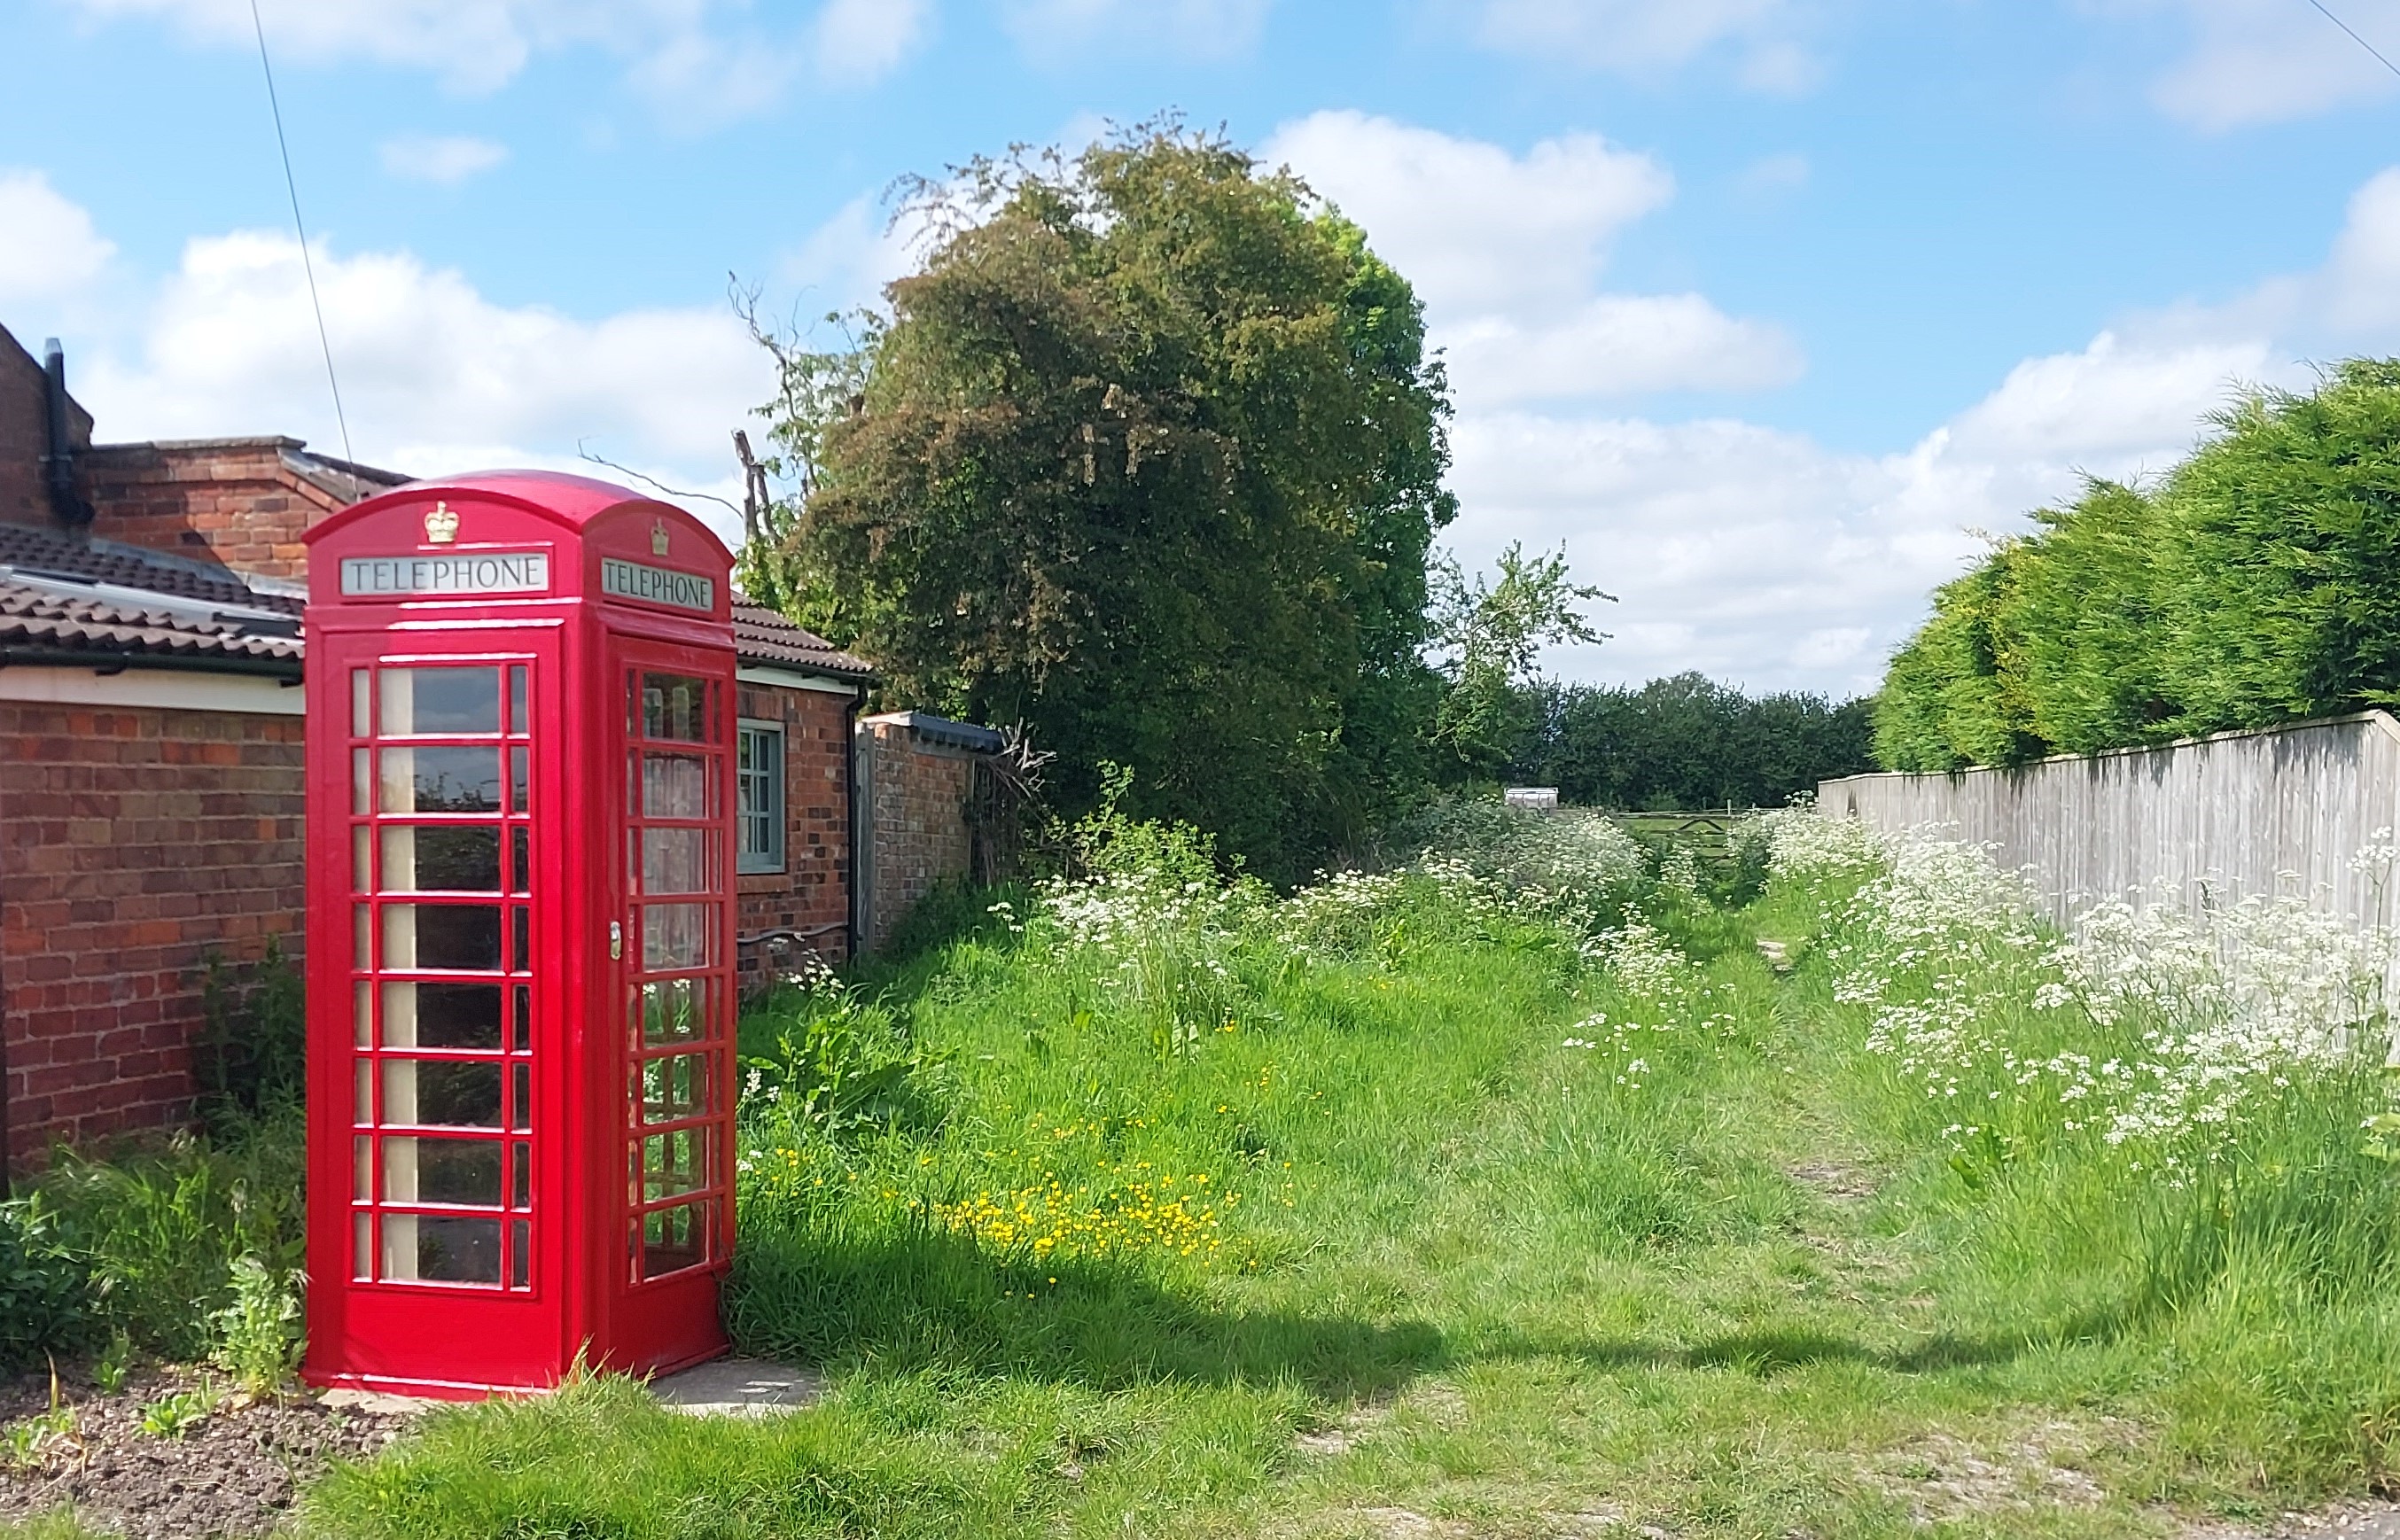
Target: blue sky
point(1759, 305)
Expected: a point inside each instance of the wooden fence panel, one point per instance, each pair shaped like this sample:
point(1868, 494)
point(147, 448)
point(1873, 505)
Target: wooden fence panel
point(2252, 812)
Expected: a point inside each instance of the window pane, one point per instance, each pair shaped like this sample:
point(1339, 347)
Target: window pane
point(362, 860)
point(441, 1016)
point(363, 1168)
point(439, 1248)
point(418, 700)
point(673, 1164)
point(673, 1088)
point(675, 708)
point(673, 1239)
point(520, 860)
point(449, 1171)
point(441, 857)
point(518, 723)
point(674, 786)
point(440, 1093)
point(524, 1018)
point(464, 937)
point(440, 780)
point(678, 935)
point(517, 781)
point(671, 1010)
point(360, 726)
point(521, 1162)
point(673, 861)
point(520, 1253)
point(362, 781)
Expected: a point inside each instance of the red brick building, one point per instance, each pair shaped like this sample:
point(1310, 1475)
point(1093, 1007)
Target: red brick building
point(150, 756)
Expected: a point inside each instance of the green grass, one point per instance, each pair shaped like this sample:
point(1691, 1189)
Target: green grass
point(1461, 1276)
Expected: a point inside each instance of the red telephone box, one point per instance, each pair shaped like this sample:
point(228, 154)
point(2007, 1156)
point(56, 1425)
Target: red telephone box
point(519, 966)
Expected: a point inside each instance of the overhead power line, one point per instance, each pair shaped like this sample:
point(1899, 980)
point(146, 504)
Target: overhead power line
point(307, 267)
point(2328, 16)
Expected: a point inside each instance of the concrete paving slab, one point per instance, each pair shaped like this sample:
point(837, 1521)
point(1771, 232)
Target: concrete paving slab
point(381, 1401)
point(739, 1388)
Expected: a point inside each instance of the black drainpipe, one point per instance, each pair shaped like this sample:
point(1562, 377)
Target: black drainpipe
point(58, 460)
point(849, 711)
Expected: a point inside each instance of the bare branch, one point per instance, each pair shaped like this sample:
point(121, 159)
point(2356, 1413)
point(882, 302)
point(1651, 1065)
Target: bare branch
point(639, 476)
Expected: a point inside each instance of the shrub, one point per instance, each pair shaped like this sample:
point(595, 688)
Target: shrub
point(44, 1287)
point(259, 1333)
point(2256, 585)
point(249, 1056)
point(161, 1228)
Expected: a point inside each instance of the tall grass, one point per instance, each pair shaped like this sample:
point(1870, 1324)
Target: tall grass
point(2152, 1136)
point(1451, 1197)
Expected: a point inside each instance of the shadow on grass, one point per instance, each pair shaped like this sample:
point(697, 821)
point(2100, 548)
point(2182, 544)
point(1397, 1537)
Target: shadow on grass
point(928, 1301)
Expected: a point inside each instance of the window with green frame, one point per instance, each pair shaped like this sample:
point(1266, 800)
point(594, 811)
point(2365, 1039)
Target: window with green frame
point(758, 791)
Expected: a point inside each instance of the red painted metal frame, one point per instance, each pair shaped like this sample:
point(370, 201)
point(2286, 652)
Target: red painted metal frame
point(583, 1297)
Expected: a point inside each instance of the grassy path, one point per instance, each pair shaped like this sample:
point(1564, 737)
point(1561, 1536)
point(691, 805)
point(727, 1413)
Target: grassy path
point(1394, 1256)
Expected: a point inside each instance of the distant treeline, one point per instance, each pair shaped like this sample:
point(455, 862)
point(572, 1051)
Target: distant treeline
point(1683, 742)
point(2258, 584)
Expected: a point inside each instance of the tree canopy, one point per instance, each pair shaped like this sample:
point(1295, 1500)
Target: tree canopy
point(1148, 457)
point(1684, 741)
point(2259, 582)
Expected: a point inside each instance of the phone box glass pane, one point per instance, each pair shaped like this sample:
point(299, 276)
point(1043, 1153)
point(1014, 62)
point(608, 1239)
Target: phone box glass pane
point(426, 701)
point(465, 1172)
point(442, 1092)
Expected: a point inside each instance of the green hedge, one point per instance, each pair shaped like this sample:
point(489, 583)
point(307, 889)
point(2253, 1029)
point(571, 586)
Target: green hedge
point(2258, 584)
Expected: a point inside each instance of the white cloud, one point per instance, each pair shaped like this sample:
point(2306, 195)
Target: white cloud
point(48, 249)
point(1621, 344)
point(2270, 60)
point(701, 63)
point(1473, 227)
point(1056, 31)
point(1508, 252)
point(1774, 175)
point(845, 262)
point(867, 39)
point(1766, 558)
point(444, 160)
point(1642, 38)
point(435, 378)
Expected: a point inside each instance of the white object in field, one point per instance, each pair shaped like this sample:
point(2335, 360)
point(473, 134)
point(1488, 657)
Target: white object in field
point(1540, 799)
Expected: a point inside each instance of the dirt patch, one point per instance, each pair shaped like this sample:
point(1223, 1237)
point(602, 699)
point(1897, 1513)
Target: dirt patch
point(233, 1471)
point(2378, 1520)
point(1836, 1180)
point(1940, 1476)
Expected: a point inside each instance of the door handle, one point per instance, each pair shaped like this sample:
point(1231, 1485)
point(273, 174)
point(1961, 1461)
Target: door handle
point(616, 941)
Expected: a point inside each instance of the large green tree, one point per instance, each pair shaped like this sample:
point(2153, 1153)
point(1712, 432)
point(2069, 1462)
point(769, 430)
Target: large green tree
point(1148, 457)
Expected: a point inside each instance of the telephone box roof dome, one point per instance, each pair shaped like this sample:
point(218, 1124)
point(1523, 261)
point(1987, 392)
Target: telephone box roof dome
point(570, 499)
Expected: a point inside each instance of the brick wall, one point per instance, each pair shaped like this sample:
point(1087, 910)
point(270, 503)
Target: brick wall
point(236, 502)
point(132, 842)
point(24, 435)
point(915, 811)
point(814, 888)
